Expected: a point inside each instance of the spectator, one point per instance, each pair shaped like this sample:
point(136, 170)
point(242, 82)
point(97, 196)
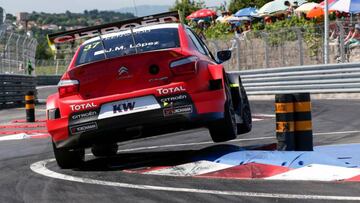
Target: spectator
point(200, 29)
point(238, 31)
point(29, 67)
point(295, 5)
point(290, 9)
point(355, 37)
point(353, 40)
point(268, 20)
point(350, 33)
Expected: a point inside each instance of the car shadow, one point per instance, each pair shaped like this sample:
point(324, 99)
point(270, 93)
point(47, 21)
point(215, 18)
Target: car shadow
point(149, 159)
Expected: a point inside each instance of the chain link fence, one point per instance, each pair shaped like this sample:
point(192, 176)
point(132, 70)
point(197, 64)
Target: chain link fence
point(52, 67)
point(16, 51)
point(288, 47)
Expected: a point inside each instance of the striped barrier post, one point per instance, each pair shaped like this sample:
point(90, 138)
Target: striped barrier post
point(303, 123)
point(30, 106)
point(284, 109)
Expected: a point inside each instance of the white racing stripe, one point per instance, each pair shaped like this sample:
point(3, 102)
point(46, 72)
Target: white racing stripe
point(318, 172)
point(40, 168)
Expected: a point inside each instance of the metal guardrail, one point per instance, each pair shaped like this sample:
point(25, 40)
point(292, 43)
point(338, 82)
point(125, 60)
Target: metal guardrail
point(47, 79)
point(333, 78)
point(14, 87)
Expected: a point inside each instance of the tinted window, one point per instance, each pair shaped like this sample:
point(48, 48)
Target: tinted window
point(195, 41)
point(121, 44)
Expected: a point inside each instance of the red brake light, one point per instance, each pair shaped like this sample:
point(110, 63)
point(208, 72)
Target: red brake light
point(68, 87)
point(184, 66)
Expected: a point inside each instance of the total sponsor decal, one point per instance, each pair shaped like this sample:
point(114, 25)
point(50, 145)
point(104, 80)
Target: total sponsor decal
point(78, 107)
point(178, 110)
point(170, 90)
point(83, 128)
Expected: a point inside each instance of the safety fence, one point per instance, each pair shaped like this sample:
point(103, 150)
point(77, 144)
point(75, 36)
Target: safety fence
point(335, 78)
point(294, 46)
point(14, 87)
point(51, 67)
point(17, 51)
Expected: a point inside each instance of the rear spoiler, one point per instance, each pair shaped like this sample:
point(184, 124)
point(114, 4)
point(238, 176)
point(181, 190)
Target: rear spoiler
point(72, 35)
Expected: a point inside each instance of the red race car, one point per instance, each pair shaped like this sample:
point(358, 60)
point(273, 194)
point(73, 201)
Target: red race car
point(152, 77)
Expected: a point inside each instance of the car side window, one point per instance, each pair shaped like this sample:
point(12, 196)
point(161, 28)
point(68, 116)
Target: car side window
point(208, 52)
point(196, 42)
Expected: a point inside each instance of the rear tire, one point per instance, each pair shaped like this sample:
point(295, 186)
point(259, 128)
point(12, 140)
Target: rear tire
point(246, 125)
point(68, 158)
point(104, 150)
point(241, 104)
point(225, 129)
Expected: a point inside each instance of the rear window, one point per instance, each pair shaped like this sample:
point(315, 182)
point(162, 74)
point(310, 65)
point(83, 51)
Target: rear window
point(124, 43)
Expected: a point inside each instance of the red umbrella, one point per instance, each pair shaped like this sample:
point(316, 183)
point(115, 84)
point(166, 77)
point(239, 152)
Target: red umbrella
point(318, 11)
point(202, 13)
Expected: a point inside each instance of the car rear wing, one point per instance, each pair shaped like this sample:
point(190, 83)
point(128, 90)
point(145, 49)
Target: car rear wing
point(72, 35)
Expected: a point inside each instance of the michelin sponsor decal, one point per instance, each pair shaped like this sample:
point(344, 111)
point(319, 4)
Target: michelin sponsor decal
point(83, 128)
point(178, 110)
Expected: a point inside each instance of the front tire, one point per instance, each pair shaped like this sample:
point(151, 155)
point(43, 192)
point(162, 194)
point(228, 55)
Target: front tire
point(68, 158)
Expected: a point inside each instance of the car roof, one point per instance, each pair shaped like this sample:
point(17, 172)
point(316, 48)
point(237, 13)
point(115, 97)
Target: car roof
point(137, 29)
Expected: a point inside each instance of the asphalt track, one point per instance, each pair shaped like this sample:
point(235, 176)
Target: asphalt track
point(103, 180)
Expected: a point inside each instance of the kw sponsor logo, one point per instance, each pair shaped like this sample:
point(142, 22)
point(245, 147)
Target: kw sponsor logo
point(119, 108)
point(78, 107)
point(171, 90)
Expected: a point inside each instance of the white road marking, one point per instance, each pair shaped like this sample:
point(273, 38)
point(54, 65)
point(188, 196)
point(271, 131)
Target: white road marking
point(337, 133)
point(19, 136)
point(318, 172)
point(191, 169)
point(264, 115)
point(40, 168)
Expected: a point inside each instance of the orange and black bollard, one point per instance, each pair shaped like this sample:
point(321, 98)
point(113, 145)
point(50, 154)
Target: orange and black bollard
point(284, 109)
point(303, 123)
point(30, 106)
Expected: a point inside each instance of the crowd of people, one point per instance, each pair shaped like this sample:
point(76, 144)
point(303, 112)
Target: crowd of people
point(350, 24)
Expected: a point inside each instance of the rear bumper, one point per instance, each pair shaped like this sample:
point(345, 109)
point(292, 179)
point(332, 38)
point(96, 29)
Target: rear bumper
point(83, 129)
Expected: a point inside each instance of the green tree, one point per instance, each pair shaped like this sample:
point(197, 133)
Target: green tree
point(187, 6)
point(236, 5)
